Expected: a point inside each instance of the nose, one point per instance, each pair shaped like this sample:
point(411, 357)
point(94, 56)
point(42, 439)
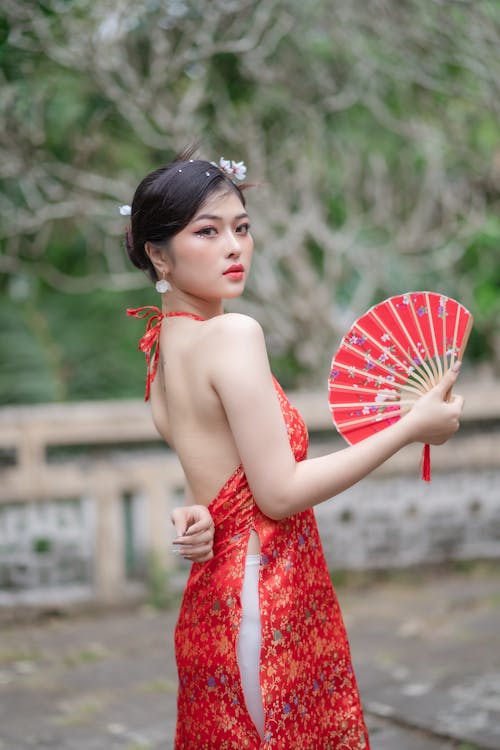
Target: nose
point(233, 246)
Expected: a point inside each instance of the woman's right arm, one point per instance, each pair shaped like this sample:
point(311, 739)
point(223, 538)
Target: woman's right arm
point(240, 374)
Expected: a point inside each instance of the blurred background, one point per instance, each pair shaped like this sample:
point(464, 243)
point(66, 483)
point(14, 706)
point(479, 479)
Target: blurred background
point(371, 130)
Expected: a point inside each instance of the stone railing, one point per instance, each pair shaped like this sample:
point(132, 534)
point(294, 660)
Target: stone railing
point(85, 496)
point(86, 491)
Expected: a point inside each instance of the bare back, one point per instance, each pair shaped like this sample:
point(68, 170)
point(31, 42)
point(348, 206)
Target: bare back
point(187, 411)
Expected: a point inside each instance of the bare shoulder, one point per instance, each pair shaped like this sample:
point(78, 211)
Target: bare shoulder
point(235, 324)
point(234, 332)
point(236, 343)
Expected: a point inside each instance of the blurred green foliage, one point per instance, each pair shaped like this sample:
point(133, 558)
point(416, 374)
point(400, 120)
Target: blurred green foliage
point(373, 102)
point(60, 347)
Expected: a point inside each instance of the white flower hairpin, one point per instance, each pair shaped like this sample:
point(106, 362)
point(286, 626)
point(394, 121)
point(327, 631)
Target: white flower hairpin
point(236, 169)
point(125, 210)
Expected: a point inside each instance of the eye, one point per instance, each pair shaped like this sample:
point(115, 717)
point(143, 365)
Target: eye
point(206, 232)
point(243, 228)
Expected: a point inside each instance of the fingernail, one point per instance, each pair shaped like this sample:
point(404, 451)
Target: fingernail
point(456, 367)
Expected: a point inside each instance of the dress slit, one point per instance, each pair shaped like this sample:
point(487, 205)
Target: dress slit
point(248, 643)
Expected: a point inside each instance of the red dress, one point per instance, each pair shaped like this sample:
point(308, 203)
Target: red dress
point(309, 690)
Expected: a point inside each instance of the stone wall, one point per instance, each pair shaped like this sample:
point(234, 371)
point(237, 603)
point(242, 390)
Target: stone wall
point(86, 492)
point(398, 521)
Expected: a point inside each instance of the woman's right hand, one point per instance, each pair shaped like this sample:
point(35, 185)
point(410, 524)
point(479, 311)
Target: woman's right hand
point(434, 417)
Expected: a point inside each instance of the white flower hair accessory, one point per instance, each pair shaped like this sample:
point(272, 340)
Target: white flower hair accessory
point(236, 169)
point(125, 210)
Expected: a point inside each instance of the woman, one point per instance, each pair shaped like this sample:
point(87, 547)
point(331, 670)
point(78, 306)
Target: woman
point(262, 654)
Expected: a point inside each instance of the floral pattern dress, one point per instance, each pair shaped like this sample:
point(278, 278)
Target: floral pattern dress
point(309, 690)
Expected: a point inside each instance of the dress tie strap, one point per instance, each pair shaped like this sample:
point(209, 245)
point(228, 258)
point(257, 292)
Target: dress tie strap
point(150, 341)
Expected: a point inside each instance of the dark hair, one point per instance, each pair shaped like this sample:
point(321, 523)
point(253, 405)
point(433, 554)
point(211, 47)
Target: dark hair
point(167, 199)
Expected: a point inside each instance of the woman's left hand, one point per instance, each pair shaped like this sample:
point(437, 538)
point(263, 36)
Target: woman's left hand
point(195, 532)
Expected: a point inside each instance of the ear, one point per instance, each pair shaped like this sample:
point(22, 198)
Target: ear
point(159, 258)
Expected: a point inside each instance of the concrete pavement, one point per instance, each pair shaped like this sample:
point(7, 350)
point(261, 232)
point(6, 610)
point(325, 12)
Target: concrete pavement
point(426, 647)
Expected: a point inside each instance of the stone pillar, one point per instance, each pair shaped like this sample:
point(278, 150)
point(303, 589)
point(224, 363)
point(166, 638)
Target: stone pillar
point(109, 561)
point(158, 523)
point(31, 459)
point(161, 490)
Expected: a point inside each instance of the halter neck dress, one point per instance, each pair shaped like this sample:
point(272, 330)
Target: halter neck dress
point(309, 691)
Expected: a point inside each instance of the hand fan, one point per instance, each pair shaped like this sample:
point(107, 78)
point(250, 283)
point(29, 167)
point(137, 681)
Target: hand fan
point(392, 355)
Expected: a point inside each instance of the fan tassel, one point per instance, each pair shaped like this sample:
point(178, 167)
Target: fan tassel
point(426, 463)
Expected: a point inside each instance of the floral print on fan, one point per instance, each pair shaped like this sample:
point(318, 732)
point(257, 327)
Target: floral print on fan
point(406, 343)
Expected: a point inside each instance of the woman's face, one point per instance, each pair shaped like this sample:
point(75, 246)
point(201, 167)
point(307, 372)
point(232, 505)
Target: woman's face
point(210, 258)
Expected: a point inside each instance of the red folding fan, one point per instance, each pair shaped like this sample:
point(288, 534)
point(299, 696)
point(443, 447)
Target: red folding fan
point(391, 356)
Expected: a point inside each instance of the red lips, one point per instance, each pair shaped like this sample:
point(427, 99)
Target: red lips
point(236, 268)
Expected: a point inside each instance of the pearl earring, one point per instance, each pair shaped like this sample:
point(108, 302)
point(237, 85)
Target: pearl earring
point(162, 285)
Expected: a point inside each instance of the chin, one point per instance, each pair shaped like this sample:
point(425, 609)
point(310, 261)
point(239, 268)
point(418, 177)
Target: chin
point(234, 295)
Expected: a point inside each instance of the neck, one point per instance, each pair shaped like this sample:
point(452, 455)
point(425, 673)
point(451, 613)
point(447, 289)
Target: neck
point(177, 302)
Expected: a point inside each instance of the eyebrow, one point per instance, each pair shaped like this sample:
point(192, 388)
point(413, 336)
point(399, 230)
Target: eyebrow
point(213, 217)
